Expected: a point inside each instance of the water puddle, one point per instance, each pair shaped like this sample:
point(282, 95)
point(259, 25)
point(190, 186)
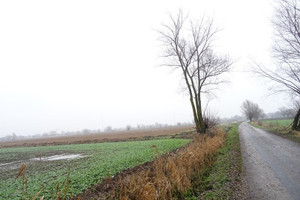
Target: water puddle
point(17, 164)
point(58, 157)
point(10, 165)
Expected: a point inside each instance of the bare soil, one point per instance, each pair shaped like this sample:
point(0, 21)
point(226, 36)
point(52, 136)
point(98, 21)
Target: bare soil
point(100, 137)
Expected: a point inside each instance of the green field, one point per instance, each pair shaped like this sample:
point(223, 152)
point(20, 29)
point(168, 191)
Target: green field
point(280, 122)
point(100, 160)
point(281, 127)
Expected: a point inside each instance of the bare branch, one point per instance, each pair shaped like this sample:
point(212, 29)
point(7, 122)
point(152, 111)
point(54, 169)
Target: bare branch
point(190, 49)
point(286, 52)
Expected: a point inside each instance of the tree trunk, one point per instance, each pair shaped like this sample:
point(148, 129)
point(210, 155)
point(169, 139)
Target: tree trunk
point(296, 125)
point(198, 127)
point(202, 125)
point(198, 118)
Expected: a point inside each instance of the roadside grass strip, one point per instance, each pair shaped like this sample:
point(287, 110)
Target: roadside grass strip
point(224, 178)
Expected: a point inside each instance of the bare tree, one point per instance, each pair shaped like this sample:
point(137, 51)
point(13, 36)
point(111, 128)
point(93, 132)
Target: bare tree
point(287, 112)
point(108, 129)
point(286, 52)
point(290, 111)
point(251, 110)
point(128, 128)
point(190, 50)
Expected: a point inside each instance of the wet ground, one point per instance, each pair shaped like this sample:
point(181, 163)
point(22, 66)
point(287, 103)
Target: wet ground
point(16, 164)
point(271, 164)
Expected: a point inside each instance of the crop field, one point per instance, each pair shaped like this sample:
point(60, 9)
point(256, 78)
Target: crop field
point(49, 168)
point(98, 137)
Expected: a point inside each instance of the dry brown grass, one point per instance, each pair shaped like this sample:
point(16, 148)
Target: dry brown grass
point(170, 175)
point(297, 133)
point(22, 173)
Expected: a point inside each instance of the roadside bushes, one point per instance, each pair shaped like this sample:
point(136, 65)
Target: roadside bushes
point(171, 175)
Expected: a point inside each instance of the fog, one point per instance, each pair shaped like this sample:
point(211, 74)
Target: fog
point(71, 65)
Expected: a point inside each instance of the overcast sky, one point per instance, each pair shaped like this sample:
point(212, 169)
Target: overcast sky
point(70, 65)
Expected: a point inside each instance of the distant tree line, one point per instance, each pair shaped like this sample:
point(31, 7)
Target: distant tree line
point(252, 112)
point(107, 129)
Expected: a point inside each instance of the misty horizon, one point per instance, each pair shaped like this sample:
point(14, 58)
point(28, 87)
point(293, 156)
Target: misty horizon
point(92, 65)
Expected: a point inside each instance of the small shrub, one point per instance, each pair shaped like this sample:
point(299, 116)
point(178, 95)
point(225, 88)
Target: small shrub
point(259, 123)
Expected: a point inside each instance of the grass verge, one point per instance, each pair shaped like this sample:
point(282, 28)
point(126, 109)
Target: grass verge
point(224, 179)
point(280, 127)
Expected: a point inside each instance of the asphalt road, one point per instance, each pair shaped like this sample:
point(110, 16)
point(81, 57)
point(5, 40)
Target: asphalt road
point(271, 164)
